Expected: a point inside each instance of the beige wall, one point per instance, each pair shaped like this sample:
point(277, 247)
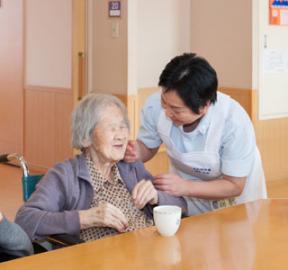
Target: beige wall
point(11, 77)
point(48, 36)
point(221, 31)
point(107, 55)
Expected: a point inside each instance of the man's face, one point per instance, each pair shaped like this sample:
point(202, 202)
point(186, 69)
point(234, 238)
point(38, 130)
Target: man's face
point(177, 111)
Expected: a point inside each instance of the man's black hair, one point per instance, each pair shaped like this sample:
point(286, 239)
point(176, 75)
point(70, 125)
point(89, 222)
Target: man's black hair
point(193, 78)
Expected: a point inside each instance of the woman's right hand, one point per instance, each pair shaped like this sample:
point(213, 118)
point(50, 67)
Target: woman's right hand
point(104, 215)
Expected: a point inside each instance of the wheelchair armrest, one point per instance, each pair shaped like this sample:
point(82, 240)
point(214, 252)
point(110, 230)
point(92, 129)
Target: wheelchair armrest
point(63, 240)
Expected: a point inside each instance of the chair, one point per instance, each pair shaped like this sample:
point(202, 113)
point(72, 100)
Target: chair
point(29, 183)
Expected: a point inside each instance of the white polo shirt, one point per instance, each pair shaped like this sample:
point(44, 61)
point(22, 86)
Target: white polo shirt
point(237, 147)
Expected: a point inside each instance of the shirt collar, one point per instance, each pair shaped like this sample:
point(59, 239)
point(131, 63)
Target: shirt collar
point(205, 121)
point(84, 171)
point(115, 176)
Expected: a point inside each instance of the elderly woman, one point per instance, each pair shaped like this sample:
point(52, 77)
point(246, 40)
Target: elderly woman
point(94, 194)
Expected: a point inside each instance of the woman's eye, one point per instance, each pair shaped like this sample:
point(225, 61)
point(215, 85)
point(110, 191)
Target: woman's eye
point(111, 129)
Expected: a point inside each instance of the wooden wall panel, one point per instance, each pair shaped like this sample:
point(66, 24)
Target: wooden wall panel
point(272, 140)
point(159, 163)
point(243, 96)
point(47, 126)
point(62, 127)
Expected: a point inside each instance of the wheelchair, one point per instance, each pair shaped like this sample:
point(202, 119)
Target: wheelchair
point(29, 183)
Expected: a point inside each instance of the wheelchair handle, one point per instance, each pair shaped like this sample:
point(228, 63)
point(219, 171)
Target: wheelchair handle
point(10, 157)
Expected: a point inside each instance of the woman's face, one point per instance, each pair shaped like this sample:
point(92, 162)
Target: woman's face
point(110, 136)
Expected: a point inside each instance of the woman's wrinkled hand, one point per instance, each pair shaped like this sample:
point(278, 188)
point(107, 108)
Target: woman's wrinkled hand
point(104, 215)
point(144, 192)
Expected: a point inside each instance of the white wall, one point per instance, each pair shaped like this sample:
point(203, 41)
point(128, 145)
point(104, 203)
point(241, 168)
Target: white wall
point(272, 83)
point(159, 30)
point(48, 43)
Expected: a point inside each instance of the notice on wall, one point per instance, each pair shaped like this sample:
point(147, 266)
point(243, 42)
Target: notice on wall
point(275, 61)
point(278, 12)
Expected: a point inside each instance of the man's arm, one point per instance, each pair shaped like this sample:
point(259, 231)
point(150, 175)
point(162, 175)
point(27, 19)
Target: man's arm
point(138, 151)
point(220, 188)
point(145, 153)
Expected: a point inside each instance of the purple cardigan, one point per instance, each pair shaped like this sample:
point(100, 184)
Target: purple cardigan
point(66, 189)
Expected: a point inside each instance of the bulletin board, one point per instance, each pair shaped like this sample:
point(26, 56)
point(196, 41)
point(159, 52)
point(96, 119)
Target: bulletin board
point(278, 12)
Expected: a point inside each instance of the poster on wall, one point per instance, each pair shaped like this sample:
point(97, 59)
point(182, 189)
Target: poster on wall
point(275, 60)
point(278, 12)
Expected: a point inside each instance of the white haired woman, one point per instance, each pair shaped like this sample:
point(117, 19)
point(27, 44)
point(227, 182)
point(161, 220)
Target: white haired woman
point(94, 194)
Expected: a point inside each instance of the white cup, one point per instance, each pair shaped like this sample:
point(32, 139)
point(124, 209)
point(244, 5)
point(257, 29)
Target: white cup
point(167, 219)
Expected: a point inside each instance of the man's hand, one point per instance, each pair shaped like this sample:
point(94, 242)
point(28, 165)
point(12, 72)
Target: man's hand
point(171, 183)
point(131, 154)
point(144, 192)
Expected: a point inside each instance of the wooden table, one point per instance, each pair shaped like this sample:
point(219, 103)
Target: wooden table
point(249, 236)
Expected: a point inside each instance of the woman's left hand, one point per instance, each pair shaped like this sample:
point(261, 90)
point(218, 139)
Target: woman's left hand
point(171, 183)
point(144, 192)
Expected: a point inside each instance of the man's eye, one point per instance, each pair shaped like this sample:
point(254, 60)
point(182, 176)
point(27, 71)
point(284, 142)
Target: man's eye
point(163, 103)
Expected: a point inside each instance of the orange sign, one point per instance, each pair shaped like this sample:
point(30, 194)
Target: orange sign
point(278, 12)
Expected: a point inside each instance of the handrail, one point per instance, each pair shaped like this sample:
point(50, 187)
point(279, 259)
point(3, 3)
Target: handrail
point(81, 75)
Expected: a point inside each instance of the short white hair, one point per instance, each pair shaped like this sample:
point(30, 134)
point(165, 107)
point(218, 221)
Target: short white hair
point(87, 115)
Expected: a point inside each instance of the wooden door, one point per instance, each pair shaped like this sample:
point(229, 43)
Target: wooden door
point(11, 76)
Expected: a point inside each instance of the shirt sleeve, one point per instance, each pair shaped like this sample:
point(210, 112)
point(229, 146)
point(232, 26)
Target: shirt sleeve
point(13, 240)
point(238, 145)
point(45, 212)
point(149, 119)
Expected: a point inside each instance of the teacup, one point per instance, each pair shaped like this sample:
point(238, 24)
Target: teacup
point(167, 219)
